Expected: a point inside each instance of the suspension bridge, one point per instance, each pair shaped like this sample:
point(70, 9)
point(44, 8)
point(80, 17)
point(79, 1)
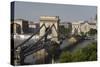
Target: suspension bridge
point(22, 50)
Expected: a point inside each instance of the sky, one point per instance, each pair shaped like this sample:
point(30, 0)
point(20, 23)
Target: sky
point(32, 11)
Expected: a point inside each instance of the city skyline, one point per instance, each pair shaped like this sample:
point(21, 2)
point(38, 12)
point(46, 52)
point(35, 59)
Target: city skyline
point(32, 11)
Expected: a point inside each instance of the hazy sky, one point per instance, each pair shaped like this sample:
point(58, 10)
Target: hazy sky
point(32, 11)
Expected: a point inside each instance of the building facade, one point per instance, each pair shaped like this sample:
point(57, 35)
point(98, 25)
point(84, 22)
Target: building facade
point(83, 26)
point(33, 27)
point(65, 24)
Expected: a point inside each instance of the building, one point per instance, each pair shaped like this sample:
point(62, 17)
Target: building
point(86, 26)
point(31, 24)
point(93, 24)
point(33, 27)
point(65, 24)
point(19, 26)
point(83, 26)
point(15, 28)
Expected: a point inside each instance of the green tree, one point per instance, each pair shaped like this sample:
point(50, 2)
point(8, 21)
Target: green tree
point(92, 32)
point(83, 34)
point(88, 53)
point(64, 30)
point(65, 57)
point(53, 50)
point(78, 56)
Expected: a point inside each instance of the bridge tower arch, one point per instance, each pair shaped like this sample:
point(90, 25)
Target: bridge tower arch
point(23, 24)
point(15, 28)
point(76, 28)
point(48, 21)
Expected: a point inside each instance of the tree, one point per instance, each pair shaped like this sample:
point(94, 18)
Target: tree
point(65, 57)
point(92, 32)
point(54, 49)
point(64, 30)
point(83, 34)
point(88, 53)
point(79, 56)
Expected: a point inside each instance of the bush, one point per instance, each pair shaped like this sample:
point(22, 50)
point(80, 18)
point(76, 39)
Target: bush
point(88, 53)
point(92, 32)
point(64, 30)
point(65, 57)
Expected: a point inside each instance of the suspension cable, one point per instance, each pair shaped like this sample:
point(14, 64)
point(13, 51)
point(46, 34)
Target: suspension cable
point(31, 47)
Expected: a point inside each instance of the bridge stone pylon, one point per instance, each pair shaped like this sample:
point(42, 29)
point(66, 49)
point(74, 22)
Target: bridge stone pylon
point(48, 21)
point(19, 26)
point(76, 28)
